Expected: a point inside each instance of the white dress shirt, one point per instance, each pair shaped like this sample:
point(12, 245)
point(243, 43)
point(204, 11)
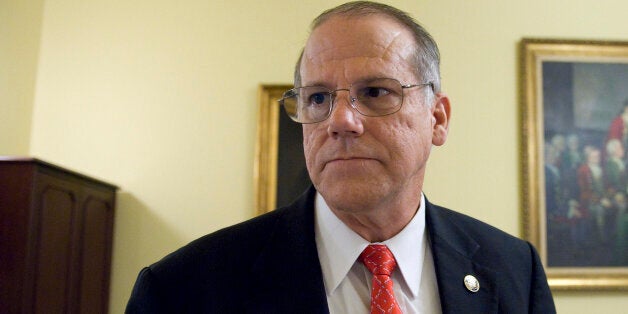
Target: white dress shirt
point(348, 282)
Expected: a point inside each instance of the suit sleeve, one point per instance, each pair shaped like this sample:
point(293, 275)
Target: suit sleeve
point(146, 296)
point(541, 300)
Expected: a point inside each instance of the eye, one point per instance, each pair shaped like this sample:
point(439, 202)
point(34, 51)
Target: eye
point(374, 92)
point(317, 98)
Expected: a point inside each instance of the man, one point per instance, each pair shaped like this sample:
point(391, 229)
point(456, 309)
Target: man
point(570, 161)
point(615, 168)
point(619, 126)
point(555, 211)
point(593, 197)
point(368, 94)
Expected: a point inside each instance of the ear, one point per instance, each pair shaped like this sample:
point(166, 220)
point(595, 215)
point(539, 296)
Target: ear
point(441, 113)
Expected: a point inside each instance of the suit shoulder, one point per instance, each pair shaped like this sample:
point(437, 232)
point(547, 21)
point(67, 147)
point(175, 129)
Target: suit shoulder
point(224, 248)
point(237, 246)
point(471, 225)
point(492, 242)
point(220, 264)
point(511, 265)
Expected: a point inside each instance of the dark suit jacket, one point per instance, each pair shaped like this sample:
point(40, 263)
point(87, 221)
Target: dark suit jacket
point(270, 264)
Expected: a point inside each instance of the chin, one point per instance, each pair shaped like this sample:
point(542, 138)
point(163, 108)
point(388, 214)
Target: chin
point(352, 196)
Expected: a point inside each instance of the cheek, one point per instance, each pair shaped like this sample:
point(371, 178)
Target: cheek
point(406, 146)
point(409, 139)
point(309, 144)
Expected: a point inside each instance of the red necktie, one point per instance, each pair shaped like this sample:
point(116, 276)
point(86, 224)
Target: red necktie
point(381, 262)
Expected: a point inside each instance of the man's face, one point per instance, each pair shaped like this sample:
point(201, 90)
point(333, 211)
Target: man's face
point(363, 163)
point(619, 152)
point(559, 142)
point(594, 157)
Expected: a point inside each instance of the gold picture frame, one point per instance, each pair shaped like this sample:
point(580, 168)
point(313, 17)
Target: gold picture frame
point(280, 174)
point(573, 208)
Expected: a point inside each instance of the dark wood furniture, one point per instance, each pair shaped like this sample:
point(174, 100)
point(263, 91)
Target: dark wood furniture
point(56, 230)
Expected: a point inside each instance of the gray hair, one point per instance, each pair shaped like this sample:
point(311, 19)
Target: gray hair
point(427, 55)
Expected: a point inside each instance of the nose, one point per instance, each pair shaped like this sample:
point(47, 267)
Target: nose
point(344, 120)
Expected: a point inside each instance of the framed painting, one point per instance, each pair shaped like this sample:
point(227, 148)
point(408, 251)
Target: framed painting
point(574, 100)
point(280, 174)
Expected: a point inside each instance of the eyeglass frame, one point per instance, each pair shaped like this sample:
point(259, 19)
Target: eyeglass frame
point(333, 93)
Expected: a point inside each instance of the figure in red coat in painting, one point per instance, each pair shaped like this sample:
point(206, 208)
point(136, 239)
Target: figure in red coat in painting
point(615, 168)
point(619, 127)
point(593, 200)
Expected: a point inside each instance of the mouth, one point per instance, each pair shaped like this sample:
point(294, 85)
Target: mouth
point(348, 160)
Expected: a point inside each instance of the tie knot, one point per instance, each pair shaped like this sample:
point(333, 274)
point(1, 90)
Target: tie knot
point(378, 259)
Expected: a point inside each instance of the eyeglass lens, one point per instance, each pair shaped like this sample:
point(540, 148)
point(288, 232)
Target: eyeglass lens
point(311, 104)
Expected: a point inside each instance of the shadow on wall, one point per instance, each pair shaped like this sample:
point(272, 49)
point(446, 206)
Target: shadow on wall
point(140, 238)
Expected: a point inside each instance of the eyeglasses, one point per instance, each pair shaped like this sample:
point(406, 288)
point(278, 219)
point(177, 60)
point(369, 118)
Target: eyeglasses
point(371, 98)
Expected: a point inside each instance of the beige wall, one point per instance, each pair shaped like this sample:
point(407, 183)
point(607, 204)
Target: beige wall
point(20, 25)
point(159, 97)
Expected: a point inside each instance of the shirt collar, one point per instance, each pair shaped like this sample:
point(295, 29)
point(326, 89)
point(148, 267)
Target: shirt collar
point(339, 247)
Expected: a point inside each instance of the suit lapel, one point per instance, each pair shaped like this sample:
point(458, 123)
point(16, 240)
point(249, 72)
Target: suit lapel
point(287, 273)
point(453, 251)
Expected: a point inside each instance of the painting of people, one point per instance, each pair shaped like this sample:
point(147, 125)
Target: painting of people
point(585, 131)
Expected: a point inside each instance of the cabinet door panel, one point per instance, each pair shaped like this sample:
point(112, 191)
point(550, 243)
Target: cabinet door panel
point(53, 250)
point(95, 255)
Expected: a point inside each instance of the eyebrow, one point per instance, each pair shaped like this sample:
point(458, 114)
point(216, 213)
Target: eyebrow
point(366, 78)
point(315, 83)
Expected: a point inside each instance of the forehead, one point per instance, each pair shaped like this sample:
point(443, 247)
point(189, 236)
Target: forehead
point(349, 48)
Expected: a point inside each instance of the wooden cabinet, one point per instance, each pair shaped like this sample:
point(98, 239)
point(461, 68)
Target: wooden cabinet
point(56, 230)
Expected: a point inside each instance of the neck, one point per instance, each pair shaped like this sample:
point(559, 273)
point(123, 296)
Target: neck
point(379, 224)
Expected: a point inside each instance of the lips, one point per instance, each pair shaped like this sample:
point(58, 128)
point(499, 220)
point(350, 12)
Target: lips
point(350, 158)
point(347, 160)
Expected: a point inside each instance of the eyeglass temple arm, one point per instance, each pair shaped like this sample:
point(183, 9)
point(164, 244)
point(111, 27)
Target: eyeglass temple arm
point(430, 84)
